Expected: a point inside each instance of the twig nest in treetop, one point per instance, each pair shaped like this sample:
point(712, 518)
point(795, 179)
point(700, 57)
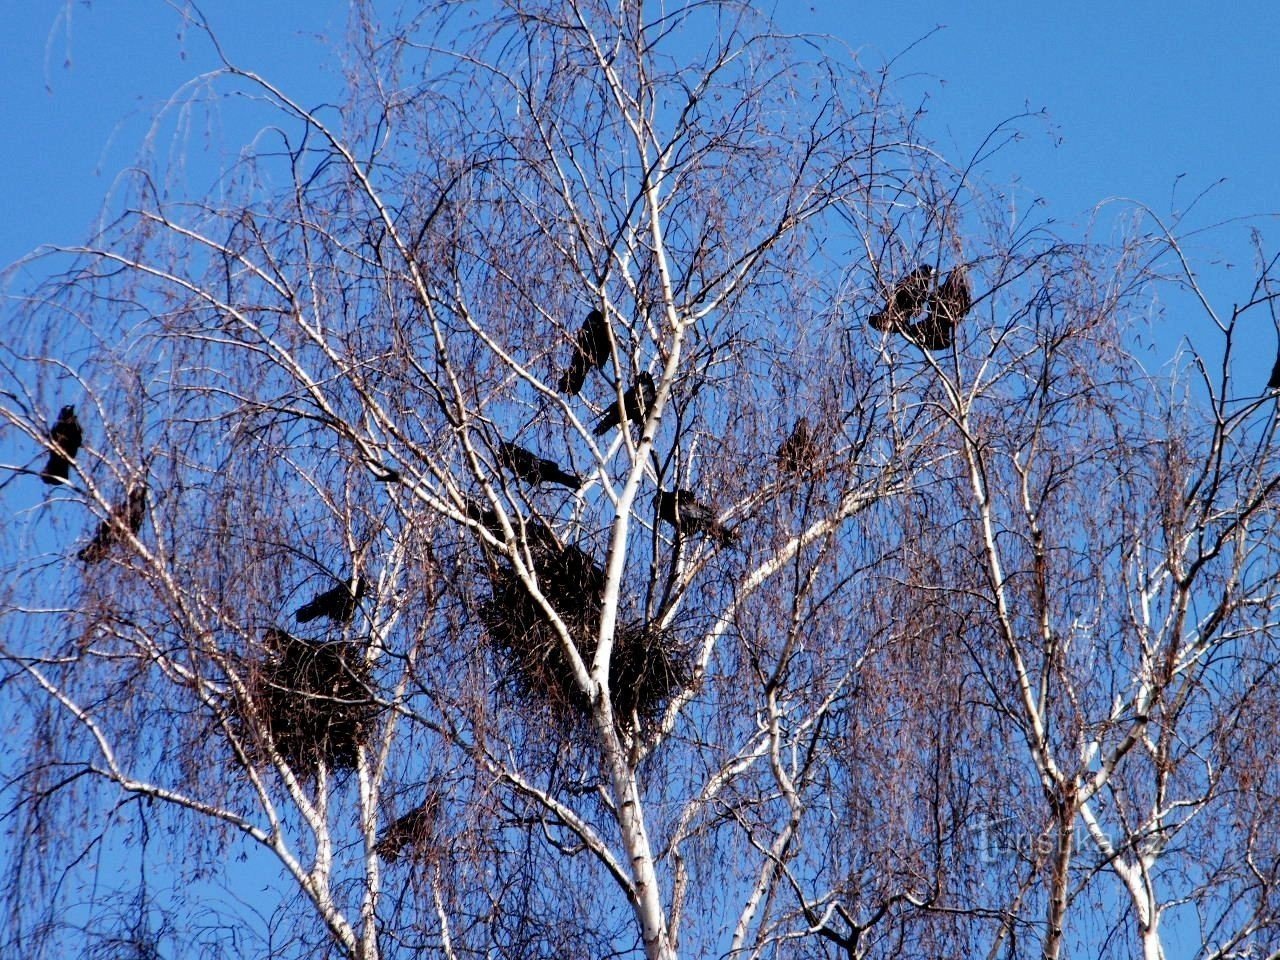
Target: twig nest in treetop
point(312, 700)
point(648, 665)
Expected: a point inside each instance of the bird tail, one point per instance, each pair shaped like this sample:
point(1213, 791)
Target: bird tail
point(307, 612)
point(571, 380)
point(572, 481)
point(724, 536)
point(931, 333)
point(603, 427)
point(56, 470)
point(94, 551)
point(881, 320)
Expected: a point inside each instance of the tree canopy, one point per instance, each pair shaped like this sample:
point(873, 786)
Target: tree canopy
point(610, 486)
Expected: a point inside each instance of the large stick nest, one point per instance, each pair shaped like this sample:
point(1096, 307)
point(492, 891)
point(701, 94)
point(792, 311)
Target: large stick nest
point(313, 700)
point(648, 666)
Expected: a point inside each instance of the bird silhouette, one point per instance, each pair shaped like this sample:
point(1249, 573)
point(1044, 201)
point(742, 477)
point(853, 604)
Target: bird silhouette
point(947, 307)
point(636, 403)
point(337, 603)
point(797, 453)
point(129, 514)
point(1274, 382)
point(277, 640)
point(590, 349)
point(536, 531)
point(65, 436)
point(531, 468)
point(413, 828)
point(486, 517)
point(681, 509)
point(905, 300)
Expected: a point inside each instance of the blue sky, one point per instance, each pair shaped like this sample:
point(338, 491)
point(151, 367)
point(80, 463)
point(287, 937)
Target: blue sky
point(1138, 94)
point(1151, 101)
point(82, 82)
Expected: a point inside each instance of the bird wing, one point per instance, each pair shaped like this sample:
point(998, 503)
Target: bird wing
point(912, 291)
point(571, 380)
point(596, 334)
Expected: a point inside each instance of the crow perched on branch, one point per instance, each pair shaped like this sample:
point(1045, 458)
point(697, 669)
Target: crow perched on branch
point(681, 509)
point(905, 300)
point(413, 828)
point(536, 531)
point(636, 403)
point(337, 603)
point(129, 514)
point(947, 307)
point(590, 349)
point(66, 437)
point(531, 468)
point(798, 451)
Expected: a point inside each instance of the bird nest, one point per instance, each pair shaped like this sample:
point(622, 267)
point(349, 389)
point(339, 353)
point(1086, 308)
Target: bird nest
point(313, 701)
point(647, 667)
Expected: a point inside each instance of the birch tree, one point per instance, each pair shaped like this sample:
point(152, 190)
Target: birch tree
point(522, 511)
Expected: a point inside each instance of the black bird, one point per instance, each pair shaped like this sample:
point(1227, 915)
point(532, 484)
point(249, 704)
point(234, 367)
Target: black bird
point(66, 436)
point(905, 300)
point(590, 349)
point(531, 468)
point(336, 603)
point(414, 828)
point(485, 516)
point(129, 514)
point(537, 533)
point(1274, 382)
point(278, 640)
point(681, 509)
point(798, 451)
point(636, 404)
point(947, 307)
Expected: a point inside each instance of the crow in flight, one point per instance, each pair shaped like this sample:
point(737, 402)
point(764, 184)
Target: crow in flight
point(798, 451)
point(590, 349)
point(636, 404)
point(947, 307)
point(531, 468)
point(336, 603)
point(681, 509)
point(905, 301)
point(66, 436)
point(129, 514)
